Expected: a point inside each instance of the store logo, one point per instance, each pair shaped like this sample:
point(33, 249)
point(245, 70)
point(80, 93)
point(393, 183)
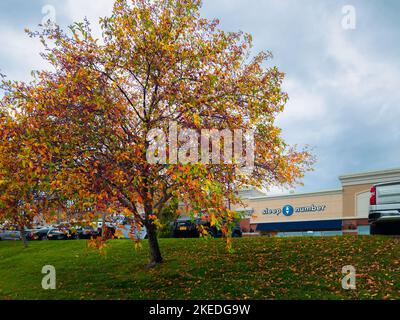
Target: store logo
point(288, 210)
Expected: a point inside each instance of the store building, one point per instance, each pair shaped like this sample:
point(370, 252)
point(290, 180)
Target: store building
point(343, 210)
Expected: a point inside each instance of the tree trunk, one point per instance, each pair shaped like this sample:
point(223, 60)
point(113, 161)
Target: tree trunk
point(155, 253)
point(23, 237)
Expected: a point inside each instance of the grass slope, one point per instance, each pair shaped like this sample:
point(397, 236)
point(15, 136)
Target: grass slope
point(261, 268)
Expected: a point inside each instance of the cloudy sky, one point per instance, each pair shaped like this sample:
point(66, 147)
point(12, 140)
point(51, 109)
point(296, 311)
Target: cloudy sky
point(343, 83)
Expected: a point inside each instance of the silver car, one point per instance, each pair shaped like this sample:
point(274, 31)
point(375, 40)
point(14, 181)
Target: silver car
point(384, 213)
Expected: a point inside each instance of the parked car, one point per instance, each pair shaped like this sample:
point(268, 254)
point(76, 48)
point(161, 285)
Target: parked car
point(185, 228)
point(10, 234)
point(188, 228)
point(384, 212)
point(110, 229)
point(62, 234)
point(38, 234)
point(128, 228)
point(87, 233)
point(236, 232)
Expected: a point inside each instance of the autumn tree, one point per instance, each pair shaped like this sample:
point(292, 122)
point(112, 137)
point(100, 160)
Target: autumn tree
point(24, 183)
point(159, 65)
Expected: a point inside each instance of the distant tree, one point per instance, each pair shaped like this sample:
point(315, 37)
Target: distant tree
point(157, 63)
point(166, 218)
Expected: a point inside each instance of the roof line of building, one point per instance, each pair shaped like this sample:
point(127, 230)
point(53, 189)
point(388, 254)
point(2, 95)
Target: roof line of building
point(371, 177)
point(291, 195)
point(369, 173)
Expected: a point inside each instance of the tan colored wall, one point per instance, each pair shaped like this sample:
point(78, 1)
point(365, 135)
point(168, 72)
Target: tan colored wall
point(332, 201)
point(349, 198)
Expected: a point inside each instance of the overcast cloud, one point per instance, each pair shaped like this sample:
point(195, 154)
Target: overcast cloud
point(343, 84)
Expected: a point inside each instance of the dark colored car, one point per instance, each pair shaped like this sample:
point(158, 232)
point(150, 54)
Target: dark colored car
point(236, 232)
point(187, 228)
point(109, 230)
point(62, 234)
point(87, 233)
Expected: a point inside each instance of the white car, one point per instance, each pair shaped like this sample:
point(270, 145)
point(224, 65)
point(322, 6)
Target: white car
point(384, 212)
point(124, 228)
point(126, 231)
point(10, 235)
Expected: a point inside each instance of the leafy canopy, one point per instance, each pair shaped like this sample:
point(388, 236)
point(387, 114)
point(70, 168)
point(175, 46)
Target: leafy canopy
point(86, 120)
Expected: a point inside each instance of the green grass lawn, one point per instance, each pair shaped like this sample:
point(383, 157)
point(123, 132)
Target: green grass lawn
point(260, 268)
